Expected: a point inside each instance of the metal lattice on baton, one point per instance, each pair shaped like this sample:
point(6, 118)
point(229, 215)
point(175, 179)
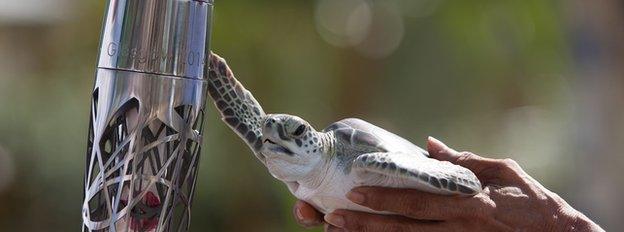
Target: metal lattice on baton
point(147, 113)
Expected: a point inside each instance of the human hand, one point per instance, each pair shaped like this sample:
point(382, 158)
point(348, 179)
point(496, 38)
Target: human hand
point(510, 200)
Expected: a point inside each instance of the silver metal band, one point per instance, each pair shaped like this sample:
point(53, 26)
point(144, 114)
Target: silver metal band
point(167, 37)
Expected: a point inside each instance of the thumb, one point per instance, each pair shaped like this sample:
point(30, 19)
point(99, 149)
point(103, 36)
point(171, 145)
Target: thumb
point(475, 163)
point(440, 151)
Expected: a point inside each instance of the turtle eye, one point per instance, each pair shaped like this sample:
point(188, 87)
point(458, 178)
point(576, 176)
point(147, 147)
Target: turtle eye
point(299, 130)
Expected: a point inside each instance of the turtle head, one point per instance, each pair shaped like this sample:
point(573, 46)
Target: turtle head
point(291, 146)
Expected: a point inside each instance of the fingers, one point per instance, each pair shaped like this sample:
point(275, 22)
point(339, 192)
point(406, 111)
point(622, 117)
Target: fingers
point(416, 204)
point(494, 171)
point(306, 215)
point(344, 220)
point(440, 151)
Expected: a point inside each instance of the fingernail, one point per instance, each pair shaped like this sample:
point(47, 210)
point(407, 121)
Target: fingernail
point(356, 197)
point(335, 219)
point(437, 144)
point(436, 141)
point(300, 215)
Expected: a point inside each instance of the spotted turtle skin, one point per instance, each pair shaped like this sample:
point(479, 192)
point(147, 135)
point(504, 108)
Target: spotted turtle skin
point(320, 167)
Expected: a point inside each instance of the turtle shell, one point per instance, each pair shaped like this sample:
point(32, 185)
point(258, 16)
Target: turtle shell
point(358, 132)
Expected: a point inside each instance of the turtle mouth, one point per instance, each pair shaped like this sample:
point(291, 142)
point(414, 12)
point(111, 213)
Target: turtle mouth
point(278, 148)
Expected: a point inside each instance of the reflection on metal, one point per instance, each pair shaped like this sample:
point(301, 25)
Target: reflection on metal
point(146, 117)
point(143, 150)
point(168, 37)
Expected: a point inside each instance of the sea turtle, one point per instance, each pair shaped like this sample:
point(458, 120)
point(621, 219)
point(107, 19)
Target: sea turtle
point(320, 167)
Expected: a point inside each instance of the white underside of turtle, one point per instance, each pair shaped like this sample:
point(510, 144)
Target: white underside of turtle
point(320, 167)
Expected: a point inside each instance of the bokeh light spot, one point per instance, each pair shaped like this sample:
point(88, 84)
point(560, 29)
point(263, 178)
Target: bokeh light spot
point(343, 23)
point(373, 29)
point(386, 31)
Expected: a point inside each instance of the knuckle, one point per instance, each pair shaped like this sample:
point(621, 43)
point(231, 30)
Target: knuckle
point(510, 164)
point(487, 206)
point(465, 156)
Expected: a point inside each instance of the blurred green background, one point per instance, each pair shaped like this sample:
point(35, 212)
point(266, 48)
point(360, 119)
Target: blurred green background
point(538, 81)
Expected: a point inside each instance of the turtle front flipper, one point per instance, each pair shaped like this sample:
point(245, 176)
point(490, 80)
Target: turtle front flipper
point(238, 108)
point(404, 170)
